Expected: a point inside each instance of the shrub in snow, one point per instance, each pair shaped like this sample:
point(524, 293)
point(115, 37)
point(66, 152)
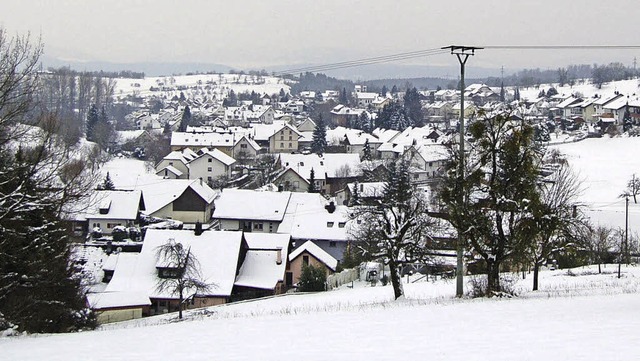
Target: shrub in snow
point(119, 234)
point(312, 279)
point(478, 287)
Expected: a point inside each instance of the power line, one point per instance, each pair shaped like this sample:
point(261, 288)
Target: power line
point(559, 47)
point(439, 51)
point(365, 61)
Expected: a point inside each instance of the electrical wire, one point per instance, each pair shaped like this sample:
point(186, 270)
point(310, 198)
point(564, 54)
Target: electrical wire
point(440, 51)
point(365, 61)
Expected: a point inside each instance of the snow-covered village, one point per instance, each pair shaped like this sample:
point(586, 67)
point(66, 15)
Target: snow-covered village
point(294, 205)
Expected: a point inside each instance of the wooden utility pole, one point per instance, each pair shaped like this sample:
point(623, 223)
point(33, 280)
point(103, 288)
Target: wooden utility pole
point(462, 53)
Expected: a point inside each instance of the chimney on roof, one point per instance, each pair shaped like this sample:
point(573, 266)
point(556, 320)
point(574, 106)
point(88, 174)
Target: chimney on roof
point(198, 230)
point(279, 255)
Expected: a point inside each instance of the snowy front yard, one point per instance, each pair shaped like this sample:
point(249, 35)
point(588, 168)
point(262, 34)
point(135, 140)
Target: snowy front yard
point(583, 316)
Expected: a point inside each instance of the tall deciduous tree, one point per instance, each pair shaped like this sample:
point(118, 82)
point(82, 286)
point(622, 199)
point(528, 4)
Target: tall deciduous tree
point(397, 229)
point(40, 175)
point(555, 223)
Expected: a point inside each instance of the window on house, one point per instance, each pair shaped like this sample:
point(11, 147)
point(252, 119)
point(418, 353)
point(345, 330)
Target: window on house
point(289, 145)
point(243, 146)
point(342, 224)
point(332, 244)
point(258, 226)
point(290, 137)
point(209, 178)
point(209, 160)
point(305, 260)
point(281, 145)
point(209, 169)
point(329, 224)
point(282, 137)
point(170, 163)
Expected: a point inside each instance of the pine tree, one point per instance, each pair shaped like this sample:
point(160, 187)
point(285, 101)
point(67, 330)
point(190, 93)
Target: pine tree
point(413, 108)
point(344, 100)
point(186, 119)
point(182, 97)
point(502, 97)
point(312, 182)
point(319, 140)
point(108, 183)
point(366, 151)
point(384, 91)
point(93, 118)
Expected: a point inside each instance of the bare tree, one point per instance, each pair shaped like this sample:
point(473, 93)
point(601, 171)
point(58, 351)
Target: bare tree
point(181, 272)
point(554, 221)
point(599, 243)
point(633, 189)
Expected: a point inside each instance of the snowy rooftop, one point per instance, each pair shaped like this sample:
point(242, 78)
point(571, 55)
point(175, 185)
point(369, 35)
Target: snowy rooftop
point(271, 241)
point(114, 205)
point(105, 300)
point(216, 251)
point(328, 165)
point(307, 218)
point(250, 204)
point(165, 191)
point(260, 269)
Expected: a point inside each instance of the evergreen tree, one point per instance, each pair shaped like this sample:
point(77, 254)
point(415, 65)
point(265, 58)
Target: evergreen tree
point(312, 182)
point(93, 118)
point(186, 119)
point(182, 97)
point(502, 97)
point(498, 193)
point(319, 140)
point(394, 90)
point(231, 100)
point(344, 99)
point(107, 184)
point(366, 151)
point(384, 91)
point(40, 288)
point(393, 117)
point(355, 197)
point(627, 122)
point(413, 107)
point(312, 279)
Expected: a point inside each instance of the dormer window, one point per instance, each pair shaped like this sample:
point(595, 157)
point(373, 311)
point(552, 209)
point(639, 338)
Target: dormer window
point(329, 224)
point(169, 272)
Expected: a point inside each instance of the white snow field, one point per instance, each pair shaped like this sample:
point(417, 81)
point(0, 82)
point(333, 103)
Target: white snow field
point(606, 165)
point(576, 316)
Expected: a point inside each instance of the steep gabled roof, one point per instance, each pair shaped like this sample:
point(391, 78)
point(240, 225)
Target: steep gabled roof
point(159, 194)
point(317, 252)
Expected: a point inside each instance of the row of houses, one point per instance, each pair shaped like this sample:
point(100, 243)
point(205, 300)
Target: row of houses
point(236, 265)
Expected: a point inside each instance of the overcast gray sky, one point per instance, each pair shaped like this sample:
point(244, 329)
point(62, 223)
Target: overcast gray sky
point(257, 33)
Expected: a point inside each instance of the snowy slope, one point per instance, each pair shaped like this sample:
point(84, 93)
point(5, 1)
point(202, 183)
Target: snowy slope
point(343, 327)
point(606, 165)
